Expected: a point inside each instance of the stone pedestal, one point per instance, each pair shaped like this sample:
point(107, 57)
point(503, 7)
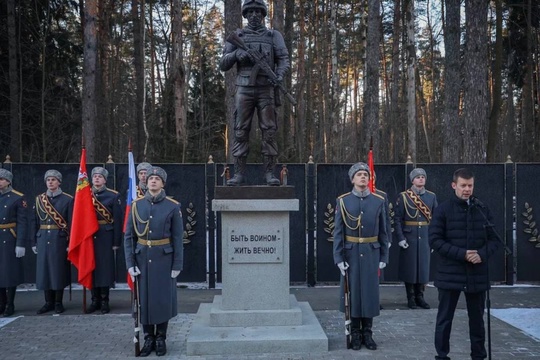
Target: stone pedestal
point(255, 313)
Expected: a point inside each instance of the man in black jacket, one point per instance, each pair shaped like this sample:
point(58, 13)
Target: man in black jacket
point(458, 236)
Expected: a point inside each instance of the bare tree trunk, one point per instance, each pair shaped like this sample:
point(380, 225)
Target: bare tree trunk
point(288, 113)
point(496, 102)
point(396, 129)
point(301, 133)
point(178, 74)
point(283, 124)
point(15, 150)
point(475, 108)
point(450, 132)
point(89, 110)
point(411, 80)
point(137, 12)
point(233, 21)
point(334, 89)
point(371, 93)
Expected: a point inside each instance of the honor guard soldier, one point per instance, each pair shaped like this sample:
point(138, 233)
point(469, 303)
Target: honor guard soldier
point(142, 173)
point(53, 212)
point(414, 208)
point(154, 258)
point(254, 89)
point(106, 240)
point(13, 240)
point(361, 248)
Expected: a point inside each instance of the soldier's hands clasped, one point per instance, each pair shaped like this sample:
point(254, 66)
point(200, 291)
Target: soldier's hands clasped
point(404, 244)
point(342, 267)
point(20, 251)
point(133, 272)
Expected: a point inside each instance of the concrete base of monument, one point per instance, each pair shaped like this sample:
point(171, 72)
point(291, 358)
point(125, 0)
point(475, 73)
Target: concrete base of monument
point(274, 317)
point(205, 339)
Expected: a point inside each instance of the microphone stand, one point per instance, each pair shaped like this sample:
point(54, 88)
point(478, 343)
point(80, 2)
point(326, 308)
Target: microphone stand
point(489, 226)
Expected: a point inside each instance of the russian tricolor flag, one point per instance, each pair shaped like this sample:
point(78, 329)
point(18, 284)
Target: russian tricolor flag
point(132, 188)
point(131, 196)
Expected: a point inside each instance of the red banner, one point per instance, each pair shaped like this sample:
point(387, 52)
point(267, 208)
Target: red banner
point(83, 226)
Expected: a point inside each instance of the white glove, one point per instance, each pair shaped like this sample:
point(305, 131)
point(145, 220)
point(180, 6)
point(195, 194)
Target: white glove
point(34, 249)
point(175, 273)
point(382, 265)
point(342, 267)
point(20, 251)
point(133, 271)
point(404, 244)
point(389, 245)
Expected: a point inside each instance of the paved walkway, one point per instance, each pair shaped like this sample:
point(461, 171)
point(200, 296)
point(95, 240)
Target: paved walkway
point(399, 332)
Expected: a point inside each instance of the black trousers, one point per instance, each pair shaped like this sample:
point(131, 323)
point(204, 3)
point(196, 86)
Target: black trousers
point(448, 300)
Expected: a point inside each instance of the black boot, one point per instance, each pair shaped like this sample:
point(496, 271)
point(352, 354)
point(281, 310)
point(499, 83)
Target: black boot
point(149, 340)
point(367, 334)
point(10, 307)
point(356, 341)
point(239, 177)
point(356, 334)
point(96, 301)
point(269, 165)
point(419, 296)
point(105, 309)
point(58, 297)
point(409, 288)
point(49, 302)
point(161, 347)
point(3, 300)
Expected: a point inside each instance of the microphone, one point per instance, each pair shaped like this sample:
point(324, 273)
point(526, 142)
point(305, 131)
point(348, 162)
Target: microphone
point(476, 201)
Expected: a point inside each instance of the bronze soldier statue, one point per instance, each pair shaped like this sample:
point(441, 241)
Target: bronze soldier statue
point(256, 88)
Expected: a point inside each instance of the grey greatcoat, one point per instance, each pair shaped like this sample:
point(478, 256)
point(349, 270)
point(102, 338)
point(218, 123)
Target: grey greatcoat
point(155, 218)
point(110, 218)
point(53, 271)
point(412, 225)
point(363, 258)
point(13, 232)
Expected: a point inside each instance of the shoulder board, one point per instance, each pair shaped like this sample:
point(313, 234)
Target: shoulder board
point(113, 191)
point(71, 196)
point(17, 192)
point(430, 192)
point(343, 195)
point(138, 199)
point(172, 200)
point(380, 192)
point(379, 196)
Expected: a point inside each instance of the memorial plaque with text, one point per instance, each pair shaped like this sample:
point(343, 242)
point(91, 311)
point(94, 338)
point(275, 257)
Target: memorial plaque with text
point(264, 246)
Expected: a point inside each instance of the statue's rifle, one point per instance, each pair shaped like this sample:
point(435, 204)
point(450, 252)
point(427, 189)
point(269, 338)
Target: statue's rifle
point(347, 297)
point(258, 59)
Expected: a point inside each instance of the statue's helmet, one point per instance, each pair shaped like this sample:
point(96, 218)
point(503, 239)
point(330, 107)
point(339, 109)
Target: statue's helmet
point(254, 4)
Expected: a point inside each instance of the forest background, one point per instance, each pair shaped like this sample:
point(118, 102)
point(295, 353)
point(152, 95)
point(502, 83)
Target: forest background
point(439, 80)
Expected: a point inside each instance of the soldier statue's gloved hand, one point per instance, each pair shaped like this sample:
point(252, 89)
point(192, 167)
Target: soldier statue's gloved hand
point(175, 273)
point(242, 56)
point(382, 265)
point(34, 249)
point(342, 267)
point(404, 244)
point(20, 251)
point(133, 271)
